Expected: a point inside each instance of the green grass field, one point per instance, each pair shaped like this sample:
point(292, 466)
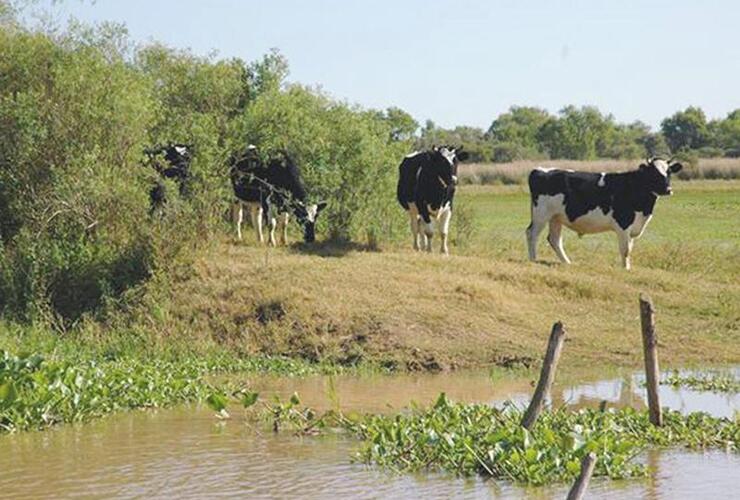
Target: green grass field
point(695, 230)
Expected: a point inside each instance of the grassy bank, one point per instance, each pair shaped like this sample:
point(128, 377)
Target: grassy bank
point(484, 304)
point(303, 310)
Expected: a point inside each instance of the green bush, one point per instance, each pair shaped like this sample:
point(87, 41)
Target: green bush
point(78, 108)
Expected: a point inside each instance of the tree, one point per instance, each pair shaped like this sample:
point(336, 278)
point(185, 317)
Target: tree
point(686, 129)
point(403, 126)
point(725, 134)
point(577, 134)
point(519, 126)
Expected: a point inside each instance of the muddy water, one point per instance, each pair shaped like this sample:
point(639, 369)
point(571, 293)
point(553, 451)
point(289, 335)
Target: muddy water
point(186, 452)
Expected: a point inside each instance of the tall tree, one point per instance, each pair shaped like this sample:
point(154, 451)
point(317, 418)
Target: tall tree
point(686, 129)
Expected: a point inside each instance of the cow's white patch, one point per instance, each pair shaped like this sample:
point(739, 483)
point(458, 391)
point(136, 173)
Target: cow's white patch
point(661, 166)
point(311, 212)
point(593, 221)
point(601, 182)
point(181, 150)
point(639, 224)
point(411, 155)
point(251, 147)
point(551, 169)
point(449, 155)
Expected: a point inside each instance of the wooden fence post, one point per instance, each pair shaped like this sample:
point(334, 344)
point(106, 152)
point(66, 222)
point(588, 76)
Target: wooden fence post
point(650, 351)
point(587, 469)
point(547, 375)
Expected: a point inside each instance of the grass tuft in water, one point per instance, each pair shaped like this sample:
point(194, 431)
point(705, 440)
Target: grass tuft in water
point(712, 382)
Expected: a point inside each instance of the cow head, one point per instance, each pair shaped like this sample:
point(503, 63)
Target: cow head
point(656, 173)
point(307, 215)
point(445, 160)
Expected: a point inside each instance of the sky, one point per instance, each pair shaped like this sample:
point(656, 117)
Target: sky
point(464, 62)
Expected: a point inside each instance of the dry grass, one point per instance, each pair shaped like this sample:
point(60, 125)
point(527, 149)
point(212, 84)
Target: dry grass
point(516, 172)
point(423, 311)
point(486, 303)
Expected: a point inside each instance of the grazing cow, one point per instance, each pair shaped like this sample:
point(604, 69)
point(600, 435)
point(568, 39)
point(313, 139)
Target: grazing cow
point(426, 187)
point(593, 203)
point(275, 188)
point(178, 157)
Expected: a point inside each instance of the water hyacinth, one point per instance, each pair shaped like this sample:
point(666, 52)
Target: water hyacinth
point(467, 439)
point(714, 382)
point(37, 392)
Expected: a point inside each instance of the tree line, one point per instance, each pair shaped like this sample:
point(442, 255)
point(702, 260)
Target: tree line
point(578, 133)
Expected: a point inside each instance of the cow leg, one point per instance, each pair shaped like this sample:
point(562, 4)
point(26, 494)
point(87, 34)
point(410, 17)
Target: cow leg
point(429, 233)
point(414, 222)
point(284, 219)
point(625, 248)
point(444, 228)
point(272, 222)
point(237, 215)
point(533, 232)
point(255, 211)
point(555, 238)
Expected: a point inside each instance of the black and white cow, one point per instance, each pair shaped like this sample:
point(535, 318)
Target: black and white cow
point(267, 191)
point(177, 168)
point(426, 188)
point(593, 203)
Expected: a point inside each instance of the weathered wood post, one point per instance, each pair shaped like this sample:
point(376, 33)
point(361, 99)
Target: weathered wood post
point(587, 469)
point(547, 375)
point(650, 351)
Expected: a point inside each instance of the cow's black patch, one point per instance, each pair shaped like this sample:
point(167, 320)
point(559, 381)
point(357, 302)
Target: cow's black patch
point(427, 179)
point(276, 185)
point(624, 193)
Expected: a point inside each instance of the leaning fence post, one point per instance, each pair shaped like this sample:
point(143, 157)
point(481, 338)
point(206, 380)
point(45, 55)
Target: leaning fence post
point(587, 469)
point(650, 351)
point(547, 375)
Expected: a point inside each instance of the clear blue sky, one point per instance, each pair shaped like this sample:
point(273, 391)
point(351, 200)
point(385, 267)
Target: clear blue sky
point(466, 61)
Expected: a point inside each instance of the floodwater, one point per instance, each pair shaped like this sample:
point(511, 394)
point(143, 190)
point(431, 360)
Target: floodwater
point(187, 453)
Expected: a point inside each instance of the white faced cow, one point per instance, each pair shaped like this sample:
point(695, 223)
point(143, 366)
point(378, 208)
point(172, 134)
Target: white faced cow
point(269, 190)
point(593, 203)
point(426, 188)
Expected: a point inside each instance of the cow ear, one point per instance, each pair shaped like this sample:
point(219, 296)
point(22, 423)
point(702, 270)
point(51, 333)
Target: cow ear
point(321, 205)
point(462, 156)
point(675, 168)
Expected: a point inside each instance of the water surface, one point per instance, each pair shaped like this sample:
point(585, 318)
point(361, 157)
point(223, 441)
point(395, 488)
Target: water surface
point(187, 453)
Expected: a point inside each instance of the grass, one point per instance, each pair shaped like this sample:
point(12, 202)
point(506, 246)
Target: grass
point(485, 304)
point(516, 172)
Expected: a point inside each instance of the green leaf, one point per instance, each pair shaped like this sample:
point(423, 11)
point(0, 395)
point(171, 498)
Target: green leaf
point(442, 401)
point(7, 393)
point(216, 401)
point(249, 398)
point(294, 399)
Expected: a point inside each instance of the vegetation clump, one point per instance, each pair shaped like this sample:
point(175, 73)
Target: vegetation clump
point(713, 382)
point(37, 391)
point(468, 439)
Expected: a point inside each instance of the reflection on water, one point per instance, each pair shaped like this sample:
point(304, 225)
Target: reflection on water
point(185, 452)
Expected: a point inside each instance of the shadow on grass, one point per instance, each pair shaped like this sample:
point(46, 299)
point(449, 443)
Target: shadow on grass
point(331, 248)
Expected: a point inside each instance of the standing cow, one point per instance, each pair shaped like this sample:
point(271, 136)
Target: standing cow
point(426, 188)
point(593, 203)
point(271, 190)
point(178, 158)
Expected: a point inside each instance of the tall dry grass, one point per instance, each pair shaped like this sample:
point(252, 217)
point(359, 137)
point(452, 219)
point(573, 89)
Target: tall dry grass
point(516, 172)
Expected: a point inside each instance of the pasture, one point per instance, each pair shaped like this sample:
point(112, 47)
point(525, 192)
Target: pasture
point(485, 304)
